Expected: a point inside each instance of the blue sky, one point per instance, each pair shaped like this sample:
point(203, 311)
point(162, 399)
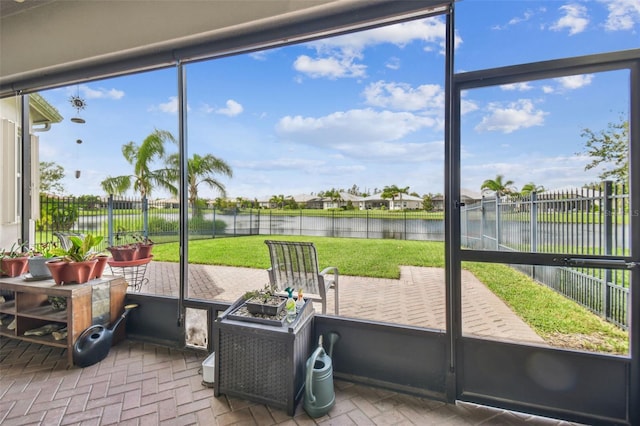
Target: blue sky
point(366, 109)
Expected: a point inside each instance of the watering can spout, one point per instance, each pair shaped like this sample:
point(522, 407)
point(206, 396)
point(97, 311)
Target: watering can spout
point(319, 395)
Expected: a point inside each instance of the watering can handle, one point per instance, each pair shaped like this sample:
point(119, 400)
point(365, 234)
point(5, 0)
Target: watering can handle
point(308, 382)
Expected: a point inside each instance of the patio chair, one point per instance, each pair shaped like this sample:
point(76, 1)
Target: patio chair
point(295, 265)
point(63, 237)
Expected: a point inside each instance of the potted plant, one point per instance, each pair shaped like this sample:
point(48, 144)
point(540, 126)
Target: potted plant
point(125, 252)
point(145, 245)
point(13, 262)
point(264, 301)
point(76, 264)
point(40, 254)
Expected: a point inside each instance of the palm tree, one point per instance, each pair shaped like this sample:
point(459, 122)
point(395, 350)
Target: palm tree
point(531, 187)
point(393, 191)
point(142, 157)
point(277, 200)
point(201, 170)
point(498, 186)
point(334, 195)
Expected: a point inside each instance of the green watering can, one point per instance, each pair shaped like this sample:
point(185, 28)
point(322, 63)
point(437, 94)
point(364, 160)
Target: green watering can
point(319, 396)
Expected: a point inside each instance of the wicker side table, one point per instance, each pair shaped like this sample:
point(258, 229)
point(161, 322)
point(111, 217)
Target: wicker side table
point(262, 363)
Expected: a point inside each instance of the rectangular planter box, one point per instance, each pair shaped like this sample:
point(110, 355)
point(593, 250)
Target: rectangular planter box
point(260, 308)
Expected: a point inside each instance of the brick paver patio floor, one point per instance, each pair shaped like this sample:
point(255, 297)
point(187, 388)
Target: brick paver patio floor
point(144, 384)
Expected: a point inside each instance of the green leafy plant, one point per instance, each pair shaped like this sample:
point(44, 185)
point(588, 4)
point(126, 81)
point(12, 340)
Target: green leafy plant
point(45, 249)
point(80, 249)
point(141, 239)
point(263, 295)
point(16, 250)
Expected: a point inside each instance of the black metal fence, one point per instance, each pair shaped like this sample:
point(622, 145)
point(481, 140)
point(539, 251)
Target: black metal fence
point(584, 221)
point(581, 221)
point(121, 219)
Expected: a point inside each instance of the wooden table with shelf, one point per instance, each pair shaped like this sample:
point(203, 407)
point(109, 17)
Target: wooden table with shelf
point(100, 301)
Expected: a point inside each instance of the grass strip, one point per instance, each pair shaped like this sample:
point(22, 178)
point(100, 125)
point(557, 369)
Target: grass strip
point(558, 320)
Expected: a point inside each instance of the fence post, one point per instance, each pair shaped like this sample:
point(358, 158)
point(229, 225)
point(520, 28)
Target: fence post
point(110, 219)
point(333, 223)
point(497, 222)
point(608, 244)
point(145, 216)
point(404, 233)
point(300, 221)
point(482, 221)
point(235, 215)
point(534, 222)
point(367, 223)
point(214, 222)
point(533, 228)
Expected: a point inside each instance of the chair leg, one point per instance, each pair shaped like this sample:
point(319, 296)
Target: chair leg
point(335, 289)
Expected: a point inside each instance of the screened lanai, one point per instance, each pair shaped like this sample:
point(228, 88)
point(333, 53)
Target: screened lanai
point(214, 61)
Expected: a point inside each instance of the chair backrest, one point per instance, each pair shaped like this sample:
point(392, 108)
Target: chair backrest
point(63, 237)
point(295, 265)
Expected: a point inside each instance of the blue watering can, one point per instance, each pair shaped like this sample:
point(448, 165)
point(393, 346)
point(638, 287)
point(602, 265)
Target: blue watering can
point(319, 396)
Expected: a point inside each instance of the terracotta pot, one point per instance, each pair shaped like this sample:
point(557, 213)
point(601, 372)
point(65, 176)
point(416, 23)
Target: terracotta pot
point(99, 269)
point(14, 266)
point(144, 250)
point(123, 253)
point(72, 272)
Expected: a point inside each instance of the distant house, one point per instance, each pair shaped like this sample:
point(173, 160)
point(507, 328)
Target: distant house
point(374, 201)
point(308, 201)
point(165, 203)
point(345, 198)
point(466, 196)
point(569, 198)
point(405, 202)
point(402, 202)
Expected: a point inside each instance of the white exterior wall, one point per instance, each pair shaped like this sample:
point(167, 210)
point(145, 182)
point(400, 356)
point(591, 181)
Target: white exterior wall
point(10, 196)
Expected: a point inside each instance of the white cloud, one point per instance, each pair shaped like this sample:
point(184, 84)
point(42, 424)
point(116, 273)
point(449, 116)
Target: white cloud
point(403, 152)
point(393, 63)
point(575, 19)
point(515, 116)
point(329, 67)
point(623, 14)
point(232, 109)
point(515, 21)
point(430, 30)
point(359, 132)
point(573, 82)
point(170, 107)
point(401, 96)
point(520, 87)
point(206, 108)
point(337, 57)
point(260, 55)
point(547, 89)
point(95, 93)
point(468, 106)
point(550, 171)
point(285, 163)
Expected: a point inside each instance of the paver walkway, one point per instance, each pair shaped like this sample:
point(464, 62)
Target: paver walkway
point(417, 298)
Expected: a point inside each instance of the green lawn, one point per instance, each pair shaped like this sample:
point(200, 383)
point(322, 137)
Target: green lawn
point(558, 320)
